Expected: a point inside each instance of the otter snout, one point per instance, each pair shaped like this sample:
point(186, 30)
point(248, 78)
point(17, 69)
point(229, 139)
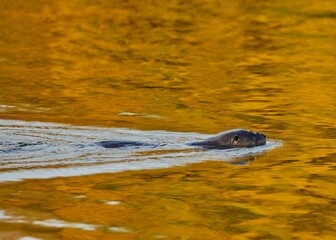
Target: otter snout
point(260, 138)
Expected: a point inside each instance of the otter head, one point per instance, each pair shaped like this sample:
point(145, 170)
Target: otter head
point(240, 138)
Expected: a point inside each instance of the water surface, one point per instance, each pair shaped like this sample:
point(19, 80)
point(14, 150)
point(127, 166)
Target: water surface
point(171, 68)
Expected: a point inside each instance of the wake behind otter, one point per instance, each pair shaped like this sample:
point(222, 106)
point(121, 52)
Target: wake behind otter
point(44, 150)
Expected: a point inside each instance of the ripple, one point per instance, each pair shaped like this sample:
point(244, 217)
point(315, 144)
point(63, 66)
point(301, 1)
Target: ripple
point(33, 150)
point(54, 223)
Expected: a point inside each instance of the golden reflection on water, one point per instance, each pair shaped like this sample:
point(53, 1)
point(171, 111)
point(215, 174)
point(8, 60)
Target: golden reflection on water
point(201, 201)
point(196, 65)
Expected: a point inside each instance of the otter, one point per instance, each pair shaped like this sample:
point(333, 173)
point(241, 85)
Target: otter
point(235, 138)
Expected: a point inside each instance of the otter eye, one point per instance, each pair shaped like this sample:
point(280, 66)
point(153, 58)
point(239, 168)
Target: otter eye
point(235, 139)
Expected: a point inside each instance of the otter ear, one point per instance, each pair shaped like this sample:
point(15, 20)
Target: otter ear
point(235, 139)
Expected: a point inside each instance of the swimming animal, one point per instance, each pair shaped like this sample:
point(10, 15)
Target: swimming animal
point(235, 138)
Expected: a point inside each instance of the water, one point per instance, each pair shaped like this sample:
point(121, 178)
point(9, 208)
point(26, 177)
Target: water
point(76, 72)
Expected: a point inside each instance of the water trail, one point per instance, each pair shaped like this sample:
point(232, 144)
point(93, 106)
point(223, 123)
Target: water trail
point(31, 150)
point(54, 223)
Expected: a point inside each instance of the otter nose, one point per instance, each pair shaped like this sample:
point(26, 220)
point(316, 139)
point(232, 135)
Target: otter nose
point(261, 139)
point(261, 136)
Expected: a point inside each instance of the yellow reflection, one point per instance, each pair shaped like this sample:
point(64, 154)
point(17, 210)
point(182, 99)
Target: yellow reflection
point(196, 65)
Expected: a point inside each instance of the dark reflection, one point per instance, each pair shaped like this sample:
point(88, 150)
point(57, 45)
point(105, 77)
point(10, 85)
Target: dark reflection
point(244, 161)
point(225, 218)
point(327, 131)
point(325, 160)
point(322, 15)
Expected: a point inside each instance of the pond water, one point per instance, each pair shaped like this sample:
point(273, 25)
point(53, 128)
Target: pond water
point(73, 73)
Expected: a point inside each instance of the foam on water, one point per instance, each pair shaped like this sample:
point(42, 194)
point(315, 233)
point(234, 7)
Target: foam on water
point(54, 223)
point(31, 150)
